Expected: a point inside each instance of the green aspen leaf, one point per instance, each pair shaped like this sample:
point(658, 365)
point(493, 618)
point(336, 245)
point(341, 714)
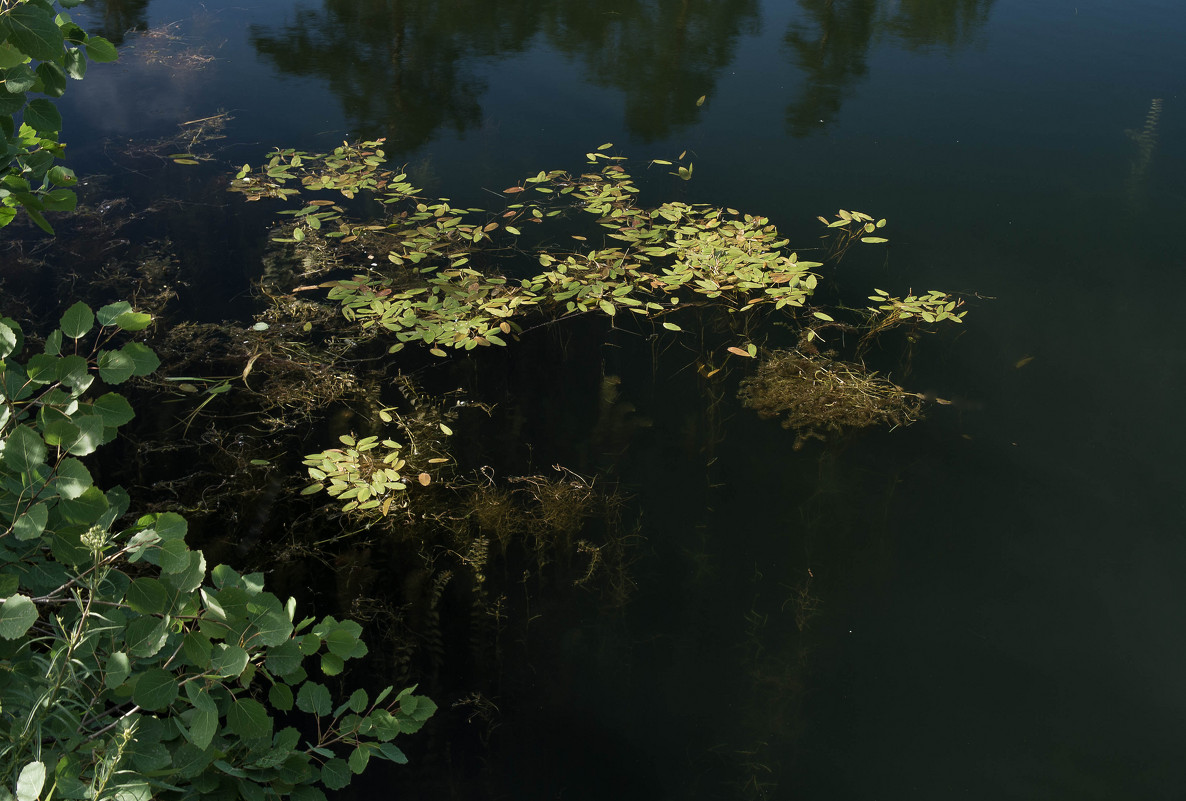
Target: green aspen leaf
point(107, 314)
point(249, 719)
point(59, 200)
point(393, 753)
point(114, 409)
point(10, 56)
point(144, 361)
point(75, 63)
point(203, 725)
point(306, 792)
point(147, 596)
point(284, 659)
point(30, 781)
point(310, 643)
point(31, 27)
point(189, 579)
point(17, 615)
point(358, 701)
point(24, 450)
point(155, 689)
point(72, 479)
point(43, 116)
point(343, 640)
point(100, 50)
point(20, 79)
point(31, 522)
point(115, 366)
point(331, 664)
point(146, 636)
point(133, 321)
point(90, 434)
point(53, 79)
point(62, 176)
point(335, 774)
point(197, 648)
point(7, 340)
point(53, 343)
point(313, 698)
point(280, 696)
point(228, 661)
point(359, 758)
point(173, 556)
point(116, 670)
point(74, 372)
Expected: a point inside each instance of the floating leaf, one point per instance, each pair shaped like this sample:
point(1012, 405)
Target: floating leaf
point(740, 352)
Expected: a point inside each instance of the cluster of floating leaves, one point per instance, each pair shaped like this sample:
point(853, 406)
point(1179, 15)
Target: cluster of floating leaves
point(421, 285)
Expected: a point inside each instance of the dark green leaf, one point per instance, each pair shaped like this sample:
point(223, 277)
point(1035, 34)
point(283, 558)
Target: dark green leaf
point(155, 689)
point(280, 696)
point(358, 700)
point(75, 63)
point(312, 697)
point(144, 361)
point(23, 450)
point(197, 649)
point(249, 719)
point(393, 753)
point(115, 366)
point(114, 409)
point(335, 774)
point(31, 27)
point(43, 117)
point(228, 660)
point(359, 758)
point(284, 658)
point(118, 668)
point(100, 50)
point(19, 79)
point(53, 79)
point(146, 636)
point(147, 596)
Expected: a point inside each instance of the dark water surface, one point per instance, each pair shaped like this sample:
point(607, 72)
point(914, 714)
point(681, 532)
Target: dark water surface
point(1001, 589)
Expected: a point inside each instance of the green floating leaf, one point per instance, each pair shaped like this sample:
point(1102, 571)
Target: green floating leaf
point(17, 615)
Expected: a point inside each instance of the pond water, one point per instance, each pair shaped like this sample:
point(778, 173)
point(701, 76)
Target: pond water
point(987, 604)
